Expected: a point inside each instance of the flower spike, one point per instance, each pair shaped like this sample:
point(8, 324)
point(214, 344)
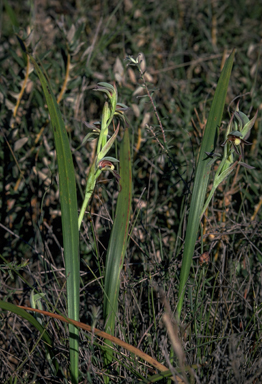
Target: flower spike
point(233, 144)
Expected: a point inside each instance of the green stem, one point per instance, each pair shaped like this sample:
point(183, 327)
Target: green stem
point(90, 186)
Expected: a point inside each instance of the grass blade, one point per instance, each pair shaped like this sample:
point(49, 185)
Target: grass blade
point(202, 175)
point(118, 240)
point(67, 190)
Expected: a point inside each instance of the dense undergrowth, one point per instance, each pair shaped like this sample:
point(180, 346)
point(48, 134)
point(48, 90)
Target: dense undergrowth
point(183, 46)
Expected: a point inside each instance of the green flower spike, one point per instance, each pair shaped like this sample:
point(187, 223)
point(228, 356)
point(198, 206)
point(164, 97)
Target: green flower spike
point(237, 138)
point(234, 139)
point(101, 163)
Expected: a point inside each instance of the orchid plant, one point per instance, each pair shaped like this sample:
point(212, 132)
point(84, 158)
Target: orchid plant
point(102, 162)
point(236, 134)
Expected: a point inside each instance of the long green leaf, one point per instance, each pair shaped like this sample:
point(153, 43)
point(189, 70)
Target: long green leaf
point(118, 240)
point(202, 175)
point(67, 190)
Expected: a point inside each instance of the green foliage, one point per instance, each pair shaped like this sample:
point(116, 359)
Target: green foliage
point(118, 241)
point(183, 49)
point(235, 139)
point(67, 191)
point(202, 176)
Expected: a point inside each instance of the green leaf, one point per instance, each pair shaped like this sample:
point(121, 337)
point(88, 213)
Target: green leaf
point(202, 176)
point(118, 240)
point(67, 190)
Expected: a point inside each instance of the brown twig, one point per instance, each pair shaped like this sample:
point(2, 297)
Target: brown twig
point(104, 335)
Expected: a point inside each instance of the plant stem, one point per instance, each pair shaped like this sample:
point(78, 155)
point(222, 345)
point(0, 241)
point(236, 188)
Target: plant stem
point(90, 186)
